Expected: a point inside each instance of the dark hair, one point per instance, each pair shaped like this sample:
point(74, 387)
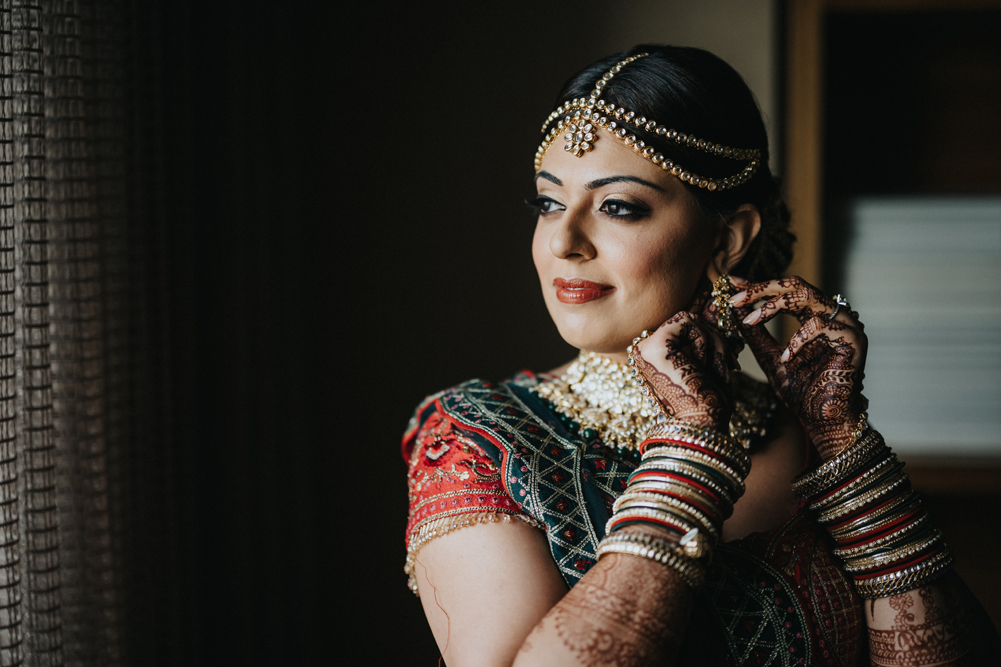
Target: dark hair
point(695, 92)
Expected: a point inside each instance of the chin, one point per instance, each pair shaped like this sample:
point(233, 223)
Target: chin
point(595, 337)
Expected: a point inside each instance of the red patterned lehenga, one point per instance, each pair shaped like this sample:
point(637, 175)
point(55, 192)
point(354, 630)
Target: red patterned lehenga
point(486, 451)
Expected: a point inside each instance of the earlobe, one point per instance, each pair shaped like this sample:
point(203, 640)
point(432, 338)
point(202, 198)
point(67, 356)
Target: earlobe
point(739, 229)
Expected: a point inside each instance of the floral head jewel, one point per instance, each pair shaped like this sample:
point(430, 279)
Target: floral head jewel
point(580, 119)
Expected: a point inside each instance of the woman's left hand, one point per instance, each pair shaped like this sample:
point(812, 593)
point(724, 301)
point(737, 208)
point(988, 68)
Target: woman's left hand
point(819, 374)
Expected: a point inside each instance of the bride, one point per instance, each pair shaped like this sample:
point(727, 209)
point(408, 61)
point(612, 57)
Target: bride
point(647, 503)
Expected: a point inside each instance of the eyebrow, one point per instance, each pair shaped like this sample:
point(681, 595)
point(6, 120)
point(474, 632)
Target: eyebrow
point(549, 177)
point(621, 179)
point(593, 185)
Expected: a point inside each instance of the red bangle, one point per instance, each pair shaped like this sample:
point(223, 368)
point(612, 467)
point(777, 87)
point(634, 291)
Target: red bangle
point(866, 538)
point(614, 524)
point(901, 565)
point(688, 445)
point(854, 516)
point(680, 478)
point(708, 512)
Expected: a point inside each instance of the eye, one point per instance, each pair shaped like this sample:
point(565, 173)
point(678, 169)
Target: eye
point(616, 208)
point(543, 205)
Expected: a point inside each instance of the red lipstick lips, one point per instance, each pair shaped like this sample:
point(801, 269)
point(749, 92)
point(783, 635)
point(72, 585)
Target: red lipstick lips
point(576, 290)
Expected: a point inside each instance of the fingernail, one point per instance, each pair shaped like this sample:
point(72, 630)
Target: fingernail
point(785, 356)
point(738, 296)
point(750, 319)
point(738, 280)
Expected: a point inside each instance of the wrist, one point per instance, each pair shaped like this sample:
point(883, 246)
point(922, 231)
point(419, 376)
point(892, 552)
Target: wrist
point(832, 438)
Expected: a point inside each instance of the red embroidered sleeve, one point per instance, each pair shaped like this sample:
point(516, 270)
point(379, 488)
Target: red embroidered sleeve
point(451, 484)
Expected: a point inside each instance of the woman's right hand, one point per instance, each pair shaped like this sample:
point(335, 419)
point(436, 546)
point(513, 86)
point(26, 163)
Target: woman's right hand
point(687, 364)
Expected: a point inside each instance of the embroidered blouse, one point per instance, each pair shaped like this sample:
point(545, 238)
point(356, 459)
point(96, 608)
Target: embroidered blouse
point(486, 451)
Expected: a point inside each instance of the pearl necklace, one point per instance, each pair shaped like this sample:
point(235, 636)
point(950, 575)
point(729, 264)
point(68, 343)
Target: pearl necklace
point(602, 399)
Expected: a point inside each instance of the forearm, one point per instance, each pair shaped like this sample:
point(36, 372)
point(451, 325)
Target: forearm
point(939, 624)
point(626, 611)
point(918, 611)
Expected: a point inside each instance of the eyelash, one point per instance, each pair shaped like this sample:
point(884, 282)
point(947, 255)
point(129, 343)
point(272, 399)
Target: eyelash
point(634, 211)
point(631, 211)
point(537, 203)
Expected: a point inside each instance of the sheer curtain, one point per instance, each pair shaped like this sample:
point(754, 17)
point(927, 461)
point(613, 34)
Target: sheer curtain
point(74, 317)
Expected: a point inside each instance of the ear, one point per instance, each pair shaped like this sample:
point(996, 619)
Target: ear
point(738, 230)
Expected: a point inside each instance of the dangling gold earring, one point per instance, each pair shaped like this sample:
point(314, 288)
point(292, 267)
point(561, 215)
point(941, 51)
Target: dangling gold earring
point(722, 289)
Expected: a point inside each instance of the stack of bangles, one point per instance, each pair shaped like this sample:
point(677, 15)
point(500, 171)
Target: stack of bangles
point(686, 484)
point(884, 536)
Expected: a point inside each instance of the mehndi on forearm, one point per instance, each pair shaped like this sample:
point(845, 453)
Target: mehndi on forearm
point(931, 625)
point(627, 612)
point(916, 612)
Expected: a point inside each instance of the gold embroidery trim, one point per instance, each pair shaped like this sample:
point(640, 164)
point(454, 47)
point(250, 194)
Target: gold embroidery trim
point(435, 499)
point(438, 526)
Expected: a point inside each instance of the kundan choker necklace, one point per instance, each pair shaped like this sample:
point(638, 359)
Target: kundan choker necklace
point(602, 400)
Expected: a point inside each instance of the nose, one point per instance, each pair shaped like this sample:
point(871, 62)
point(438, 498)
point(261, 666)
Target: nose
point(570, 238)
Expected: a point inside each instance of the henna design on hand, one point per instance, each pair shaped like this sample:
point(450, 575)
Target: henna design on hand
point(819, 375)
point(693, 385)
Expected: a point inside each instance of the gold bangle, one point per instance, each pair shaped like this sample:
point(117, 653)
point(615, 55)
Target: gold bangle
point(686, 469)
point(873, 521)
point(686, 491)
point(711, 439)
point(885, 541)
point(859, 502)
point(691, 545)
point(669, 513)
point(695, 474)
point(650, 515)
point(687, 455)
point(866, 477)
point(860, 497)
point(656, 550)
point(672, 505)
point(907, 579)
point(850, 459)
point(721, 500)
point(876, 561)
point(741, 462)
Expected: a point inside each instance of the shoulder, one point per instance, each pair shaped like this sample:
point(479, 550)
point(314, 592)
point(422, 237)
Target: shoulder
point(462, 398)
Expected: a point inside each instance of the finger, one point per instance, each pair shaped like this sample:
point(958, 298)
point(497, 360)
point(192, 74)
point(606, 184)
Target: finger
point(846, 315)
point(847, 340)
point(688, 338)
point(674, 335)
point(771, 288)
point(720, 354)
point(763, 346)
point(802, 303)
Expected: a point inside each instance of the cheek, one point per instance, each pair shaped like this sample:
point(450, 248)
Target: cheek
point(668, 268)
point(654, 260)
point(540, 250)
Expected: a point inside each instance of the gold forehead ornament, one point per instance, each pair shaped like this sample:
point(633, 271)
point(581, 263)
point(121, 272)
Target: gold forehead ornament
point(578, 121)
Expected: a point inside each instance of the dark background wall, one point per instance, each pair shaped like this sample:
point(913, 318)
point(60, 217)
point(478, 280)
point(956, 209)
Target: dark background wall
point(343, 234)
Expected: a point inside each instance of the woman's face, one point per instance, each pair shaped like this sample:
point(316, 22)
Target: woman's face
point(619, 245)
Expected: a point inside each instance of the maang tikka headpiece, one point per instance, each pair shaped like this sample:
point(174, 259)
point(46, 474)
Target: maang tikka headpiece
point(582, 117)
